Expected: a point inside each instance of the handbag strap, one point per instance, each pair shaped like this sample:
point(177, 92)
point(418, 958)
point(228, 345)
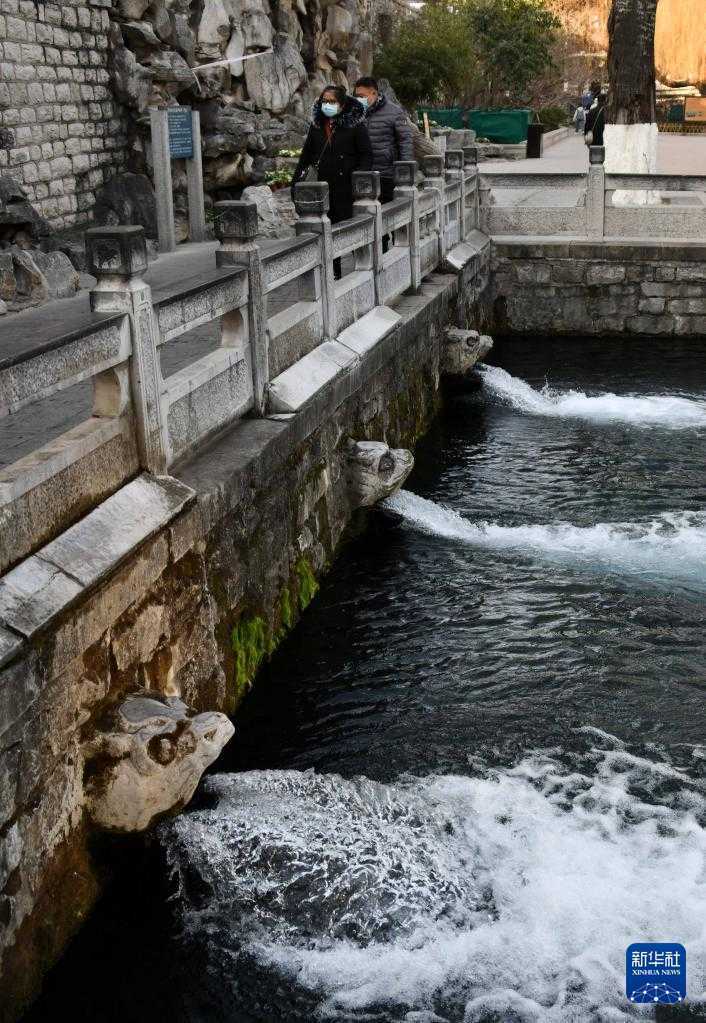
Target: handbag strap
point(327, 143)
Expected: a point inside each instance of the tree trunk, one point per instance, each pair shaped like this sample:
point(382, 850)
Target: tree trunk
point(631, 61)
point(631, 130)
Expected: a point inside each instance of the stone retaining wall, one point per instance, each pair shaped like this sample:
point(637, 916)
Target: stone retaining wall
point(599, 288)
point(225, 559)
point(61, 130)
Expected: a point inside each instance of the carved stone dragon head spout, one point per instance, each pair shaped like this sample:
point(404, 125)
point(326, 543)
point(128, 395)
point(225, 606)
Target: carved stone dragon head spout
point(462, 349)
point(149, 760)
point(374, 471)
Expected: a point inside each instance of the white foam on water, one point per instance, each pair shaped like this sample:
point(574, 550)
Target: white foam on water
point(670, 547)
point(514, 893)
point(662, 410)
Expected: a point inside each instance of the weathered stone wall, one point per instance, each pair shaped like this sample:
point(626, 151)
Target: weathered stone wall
point(192, 611)
point(62, 131)
point(593, 288)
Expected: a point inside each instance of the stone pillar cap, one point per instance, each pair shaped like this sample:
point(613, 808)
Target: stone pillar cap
point(433, 166)
point(366, 184)
point(236, 220)
point(405, 172)
point(596, 154)
point(116, 250)
point(311, 198)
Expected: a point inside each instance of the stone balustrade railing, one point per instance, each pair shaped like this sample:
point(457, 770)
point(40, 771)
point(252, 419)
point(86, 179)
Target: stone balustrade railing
point(583, 205)
point(325, 293)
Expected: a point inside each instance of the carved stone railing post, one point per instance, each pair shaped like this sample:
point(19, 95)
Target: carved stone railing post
point(236, 229)
point(434, 180)
point(366, 199)
point(470, 162)
point(406, 187)
point(595, 193)
point(117, 257)
point(311, 202)
point(454, 172)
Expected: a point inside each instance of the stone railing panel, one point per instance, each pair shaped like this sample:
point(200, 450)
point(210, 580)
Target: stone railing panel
point(206, 301)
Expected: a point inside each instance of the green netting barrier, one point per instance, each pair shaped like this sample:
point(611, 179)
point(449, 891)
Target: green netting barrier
point(452, 117)
point(506, 126)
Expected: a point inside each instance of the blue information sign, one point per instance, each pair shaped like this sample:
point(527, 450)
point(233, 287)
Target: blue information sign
point(181, 137)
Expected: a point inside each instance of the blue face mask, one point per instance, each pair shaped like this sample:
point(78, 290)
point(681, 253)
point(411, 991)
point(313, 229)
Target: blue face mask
point(364, 100)
point(330, 109)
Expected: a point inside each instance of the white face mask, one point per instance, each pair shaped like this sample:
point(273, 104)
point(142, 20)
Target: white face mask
point(330, 109)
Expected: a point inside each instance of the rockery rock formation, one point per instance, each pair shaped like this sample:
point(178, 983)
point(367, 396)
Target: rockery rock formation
point(250, 109)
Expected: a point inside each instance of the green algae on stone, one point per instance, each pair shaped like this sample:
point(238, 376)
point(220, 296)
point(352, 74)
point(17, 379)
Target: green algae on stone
point(249, 640)
point(306, 583)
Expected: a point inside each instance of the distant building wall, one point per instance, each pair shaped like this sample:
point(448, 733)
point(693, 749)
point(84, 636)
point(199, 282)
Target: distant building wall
point(62, 131)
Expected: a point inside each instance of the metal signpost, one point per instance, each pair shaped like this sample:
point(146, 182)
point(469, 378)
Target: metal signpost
point(176, 135)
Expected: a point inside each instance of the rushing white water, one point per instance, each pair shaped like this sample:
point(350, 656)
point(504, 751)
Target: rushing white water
point(671, 547)
point(515, 892)
point(662, 410)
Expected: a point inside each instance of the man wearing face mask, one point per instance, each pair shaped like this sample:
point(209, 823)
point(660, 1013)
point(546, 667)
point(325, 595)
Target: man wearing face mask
point(390, 132)
point(336, 145)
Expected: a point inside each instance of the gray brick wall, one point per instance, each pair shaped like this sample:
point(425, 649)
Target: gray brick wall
point(62, 134)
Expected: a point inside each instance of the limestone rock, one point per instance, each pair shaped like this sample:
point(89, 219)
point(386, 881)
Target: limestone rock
point(59, 273)
point(228, 171)
point(158, 16)
point(128, 199)
point(149, 760)
point(462, 350)
point(8, 286)
point(17, 214)
point(3, 307)
point(214, 30)
point(374, 471)
point(181, 36)
point(340, 25)
point(276, 215)
point(257, 29)
point(141, 35)
point(132, 9)
point(171, 68)
point(273, 78)
point(31, 286)
point(132, 82)
point(235, 51)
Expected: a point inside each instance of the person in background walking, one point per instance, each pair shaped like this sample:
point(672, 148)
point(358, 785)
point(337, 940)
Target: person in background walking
point(336, 145)
point(390, 133)
point(579, 119)
point(595, 121)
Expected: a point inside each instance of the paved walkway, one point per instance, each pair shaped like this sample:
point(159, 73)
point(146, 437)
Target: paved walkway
point(677, 154)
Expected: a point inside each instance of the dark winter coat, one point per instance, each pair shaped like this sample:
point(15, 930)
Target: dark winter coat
point(348, 150)
point(390, 135)
point(595, 122)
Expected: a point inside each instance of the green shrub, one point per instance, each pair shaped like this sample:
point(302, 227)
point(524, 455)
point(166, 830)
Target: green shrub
point(553, 117)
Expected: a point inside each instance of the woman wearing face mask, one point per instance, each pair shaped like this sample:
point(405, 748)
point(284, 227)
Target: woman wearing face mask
point(337, 144)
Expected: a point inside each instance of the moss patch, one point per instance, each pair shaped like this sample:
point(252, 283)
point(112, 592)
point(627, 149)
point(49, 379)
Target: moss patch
point(307, 586)
point(250, 643)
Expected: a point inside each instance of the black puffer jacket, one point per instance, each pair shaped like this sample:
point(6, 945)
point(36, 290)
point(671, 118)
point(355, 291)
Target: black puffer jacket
point(390, 135)
point(348, 150)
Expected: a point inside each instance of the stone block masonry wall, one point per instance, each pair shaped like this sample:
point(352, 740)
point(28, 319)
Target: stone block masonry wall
point(62, 133)
point(227, 556)
point(599, 288)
